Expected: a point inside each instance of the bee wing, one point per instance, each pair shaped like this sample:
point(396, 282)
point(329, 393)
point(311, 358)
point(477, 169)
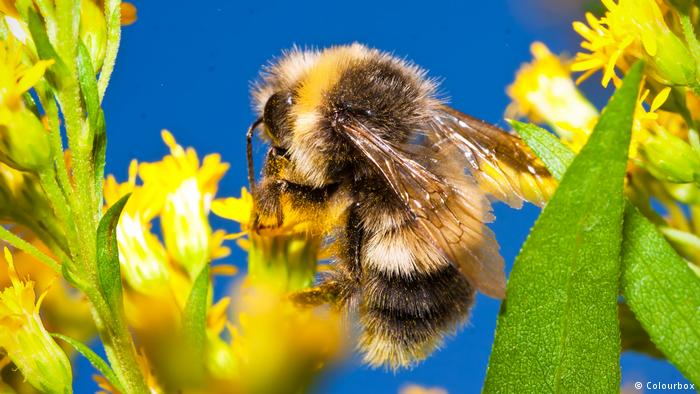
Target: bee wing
point(448, 208)
point(501, 163)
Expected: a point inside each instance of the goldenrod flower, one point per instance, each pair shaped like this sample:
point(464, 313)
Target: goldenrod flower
point(143, 258)
point(279, 346)
point(189, 190)
point(631, 30)
point(23, 138)
point(26, 341)
point(63, 310)
point(543, 91)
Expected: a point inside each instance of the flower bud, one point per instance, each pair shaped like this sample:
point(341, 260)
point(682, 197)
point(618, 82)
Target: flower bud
point(26, 341)
point(24, 142)
point(93, 32)
point(671, 158)
point(672, 63)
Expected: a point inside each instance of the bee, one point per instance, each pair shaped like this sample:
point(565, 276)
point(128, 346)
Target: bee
point(360, 139)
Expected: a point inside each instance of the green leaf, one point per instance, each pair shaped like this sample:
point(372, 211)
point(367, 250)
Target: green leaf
point(194, 320)
point(558, 329)
point(108, 270)
point(194, 324)
point(91, 100)
point(551, 151)
point(99, 154)
point(46, 51)
point(632, 334)
point(88, 86)
point(662, 291)
point(94, 359)
point(656, 282)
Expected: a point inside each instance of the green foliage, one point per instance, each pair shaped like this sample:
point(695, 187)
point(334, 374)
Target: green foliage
point(662, 291)
point(195, 313)
point(194, 320)
point(45, 50)
point(558, 330)
point(94, 359)
point(657, 283)
point(91, 100)
point(108, 270)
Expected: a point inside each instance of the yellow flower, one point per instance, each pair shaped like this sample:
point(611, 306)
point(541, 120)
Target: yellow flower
point(143, 258)
point(23, 139)
point(543, 91)
point(63, 310)
point(276, 344)
point(189, 190)
point(632, 30)
point(279, 346)
point(26, 341)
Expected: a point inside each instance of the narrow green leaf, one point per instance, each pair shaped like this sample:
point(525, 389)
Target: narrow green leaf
point(99, 154)
point(658, 285)
point(46, 51)
point(88, 86)
point(195, 313)
point(96, 361)
point(108, 270)
point(194, 324)
point(558, 329)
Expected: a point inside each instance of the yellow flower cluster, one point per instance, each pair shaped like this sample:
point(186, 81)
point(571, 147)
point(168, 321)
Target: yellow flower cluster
point(178, 191)
point(25, 340)
point(273, 343)
point(631, 30)
point(665, 147)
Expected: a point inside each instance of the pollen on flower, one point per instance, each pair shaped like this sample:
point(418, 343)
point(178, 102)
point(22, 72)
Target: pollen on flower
point(632, 30)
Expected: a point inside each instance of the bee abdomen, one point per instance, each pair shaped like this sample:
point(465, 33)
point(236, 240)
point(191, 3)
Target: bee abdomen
point(405, 317)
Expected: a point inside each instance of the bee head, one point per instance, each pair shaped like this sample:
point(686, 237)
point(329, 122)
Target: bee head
point(276, 116)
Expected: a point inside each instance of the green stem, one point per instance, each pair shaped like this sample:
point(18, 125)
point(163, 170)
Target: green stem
point(114, 31)
point(59, 203)
point(21, 244)
point(57, 145)
point(119, 345)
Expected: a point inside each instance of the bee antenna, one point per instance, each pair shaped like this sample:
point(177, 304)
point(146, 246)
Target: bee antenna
point(249, 153)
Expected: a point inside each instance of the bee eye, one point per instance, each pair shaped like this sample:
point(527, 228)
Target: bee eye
point(275, 114)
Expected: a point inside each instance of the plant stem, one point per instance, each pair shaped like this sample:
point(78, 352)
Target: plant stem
point(114, 31)
point(118, 344)
point(21, 244)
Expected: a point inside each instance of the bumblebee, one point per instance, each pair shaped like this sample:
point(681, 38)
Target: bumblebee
point(399, 182)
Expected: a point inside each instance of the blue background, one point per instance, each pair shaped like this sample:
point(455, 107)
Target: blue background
point(187, 67)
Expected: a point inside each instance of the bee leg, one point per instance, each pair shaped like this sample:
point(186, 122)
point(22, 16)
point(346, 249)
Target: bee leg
point(340, 287)
point(325, 293)
point(268, 203)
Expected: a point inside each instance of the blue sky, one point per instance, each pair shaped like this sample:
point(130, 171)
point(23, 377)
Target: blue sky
point(187, 66)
